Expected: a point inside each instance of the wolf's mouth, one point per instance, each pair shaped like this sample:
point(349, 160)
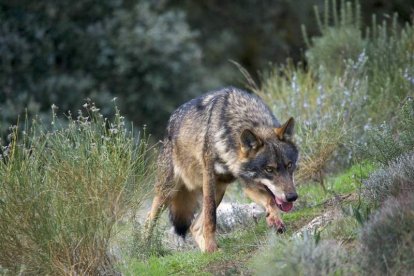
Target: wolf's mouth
point(283, 205)
point(280, 203)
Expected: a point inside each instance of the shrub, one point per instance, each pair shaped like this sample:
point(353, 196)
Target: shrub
point(301, 256)
point(396, 179)
point(62, 192)
point(325, 110)
point(387, 240)
point(340, 40)
point(388, 141)
point(391, 76)
point(57, 52)
point(338, 95)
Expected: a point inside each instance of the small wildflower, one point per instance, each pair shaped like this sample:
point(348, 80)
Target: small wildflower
point(113, 130)
point(94, 109)
point(13, 128)
point(10, 137)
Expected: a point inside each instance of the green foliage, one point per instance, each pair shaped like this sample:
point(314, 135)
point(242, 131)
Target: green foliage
point(244, 240)
point(390, 66)
point(60, 53)
point(345, 229)
point(387, 241)
point(340, 40)
point(306, 255)
point(396, 179)
point(62, 192)
point(235, 247)
point(321, 253)
point(338, 96)
point(144, 247)
point(388, 141)
point(181, 263)
point(157, 56)
point(325, 110)
point(344, 38)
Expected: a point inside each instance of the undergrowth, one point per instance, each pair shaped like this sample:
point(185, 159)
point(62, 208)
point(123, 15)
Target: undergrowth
point(63, 190)
point(302, 255)
point(351, 82)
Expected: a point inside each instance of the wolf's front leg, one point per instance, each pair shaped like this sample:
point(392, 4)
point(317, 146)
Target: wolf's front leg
point(208, 216)
point(264, 199)
point(204, 227)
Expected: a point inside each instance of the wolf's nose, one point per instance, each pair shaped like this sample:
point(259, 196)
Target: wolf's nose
point(291, 197)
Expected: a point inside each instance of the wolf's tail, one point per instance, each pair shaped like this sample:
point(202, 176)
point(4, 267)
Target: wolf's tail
point(182, 210)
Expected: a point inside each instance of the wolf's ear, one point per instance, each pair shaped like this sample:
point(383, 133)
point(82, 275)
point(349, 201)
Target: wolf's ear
point(286, 130)
point(249, 141)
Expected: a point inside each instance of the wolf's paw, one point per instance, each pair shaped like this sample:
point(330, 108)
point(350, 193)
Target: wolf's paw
point(206, 245)
point(276, 223)
point(211, 247)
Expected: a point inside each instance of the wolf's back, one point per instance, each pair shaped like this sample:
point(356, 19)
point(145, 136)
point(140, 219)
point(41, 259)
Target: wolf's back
point(228, 107)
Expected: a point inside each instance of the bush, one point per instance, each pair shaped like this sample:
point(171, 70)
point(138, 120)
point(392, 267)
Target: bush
point(340, 40)
point(62, 192)
point(338, 95)
point(387, 240)
point(388, 141)
point(59, 53)
point(391, 76)
point(325, 110)
point(302, 256)
point(391, 181)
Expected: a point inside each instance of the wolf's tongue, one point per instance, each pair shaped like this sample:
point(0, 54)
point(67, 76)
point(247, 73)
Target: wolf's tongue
point(284, 206)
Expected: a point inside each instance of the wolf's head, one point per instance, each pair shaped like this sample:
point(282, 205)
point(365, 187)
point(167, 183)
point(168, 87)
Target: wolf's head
point(268, 162)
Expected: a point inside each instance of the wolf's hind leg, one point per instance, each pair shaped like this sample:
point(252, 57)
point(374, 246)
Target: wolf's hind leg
point(158, 205)
point(164, 188)
point(272, 212)
point(182, 208)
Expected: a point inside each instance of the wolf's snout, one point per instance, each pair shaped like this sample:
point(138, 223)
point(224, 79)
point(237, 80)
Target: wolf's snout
point(290, 197)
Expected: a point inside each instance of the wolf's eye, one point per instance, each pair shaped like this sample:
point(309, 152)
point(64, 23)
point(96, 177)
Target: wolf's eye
point(270, 169)
point(289, 165)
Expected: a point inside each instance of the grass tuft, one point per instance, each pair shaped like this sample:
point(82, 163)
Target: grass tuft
point(63, 190)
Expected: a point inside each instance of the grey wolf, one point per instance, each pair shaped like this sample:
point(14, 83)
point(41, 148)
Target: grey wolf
point(212, 141)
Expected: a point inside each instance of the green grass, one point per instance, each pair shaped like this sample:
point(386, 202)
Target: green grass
point(63, 190)
point(351, 180)
point(344, 229)
point(296, 219)
point(179, 263)
point(235, 247)
point(312, 194)
point(238, 247)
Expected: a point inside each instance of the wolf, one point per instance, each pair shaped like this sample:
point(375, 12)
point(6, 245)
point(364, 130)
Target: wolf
point(212, 141)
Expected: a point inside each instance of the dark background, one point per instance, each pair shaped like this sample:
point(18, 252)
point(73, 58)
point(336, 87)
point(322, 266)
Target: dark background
point(151, 55)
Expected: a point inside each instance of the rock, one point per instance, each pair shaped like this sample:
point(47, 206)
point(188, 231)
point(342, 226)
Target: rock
point(234, 215)
point(230, 216)
point(319, 222)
